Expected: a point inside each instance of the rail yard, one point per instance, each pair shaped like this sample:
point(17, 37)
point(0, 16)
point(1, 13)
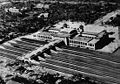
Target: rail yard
point(59, 42)
point(68, 60)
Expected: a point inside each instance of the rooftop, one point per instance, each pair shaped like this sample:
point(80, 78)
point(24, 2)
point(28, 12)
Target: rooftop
point(54, 29)
point(93, 41)
point(44, 33)
point(84, 39)
point(67, 30)
point(93, 28)
point(90, 33)
point(62, 35)
point(101, 34)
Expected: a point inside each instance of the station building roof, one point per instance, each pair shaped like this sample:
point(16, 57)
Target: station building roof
point(97, 35)
point(54, 30)
point(101, 34)
point(67, 30)
point(94, 28)
point(44, 33)
point(62, 35)
point(81, 38)
point(94, 41)
point(90, 33)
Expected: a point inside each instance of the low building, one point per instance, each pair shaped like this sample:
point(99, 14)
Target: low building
point(41, 5)
point(46, 36)
point(43, 14)
point(14, 10)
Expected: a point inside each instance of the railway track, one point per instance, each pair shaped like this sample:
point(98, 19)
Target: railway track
point(68, 60)
point(15, 49)
point(83, 68)
point(69, 69)
point(34, 41)
point(91, 53)
point(22, 46)
point(103, 69)
point(10, 52)
point(14, 57)
point(25, 44)
point(94, 66)
point(88, 59)
point(28, 43)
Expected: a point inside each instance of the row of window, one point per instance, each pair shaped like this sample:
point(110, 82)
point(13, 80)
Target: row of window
point(81, 46)
point(71, 41)
point(80, 43)
point(89, 37)
point(91, 44)
point(46, 37)
point(77, 42)
point(53, 32)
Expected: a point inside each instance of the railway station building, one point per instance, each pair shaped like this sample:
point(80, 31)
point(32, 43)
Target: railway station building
point(71, 37)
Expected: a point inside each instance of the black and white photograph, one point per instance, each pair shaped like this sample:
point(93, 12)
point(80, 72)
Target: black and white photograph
point(59, 41)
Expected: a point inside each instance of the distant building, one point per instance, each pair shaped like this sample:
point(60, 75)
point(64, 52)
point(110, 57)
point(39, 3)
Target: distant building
point(14, 10)
point(43, 14)
point(19, 0)
point(46, 36)
point(5, 4)
point(40, 5)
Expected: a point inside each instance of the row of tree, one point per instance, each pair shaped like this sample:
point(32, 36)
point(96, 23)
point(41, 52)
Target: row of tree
point(87, 13)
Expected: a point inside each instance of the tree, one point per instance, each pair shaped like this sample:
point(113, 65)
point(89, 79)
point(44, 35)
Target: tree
point(2, 81)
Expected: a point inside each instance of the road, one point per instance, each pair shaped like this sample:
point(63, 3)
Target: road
point(106, 17)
